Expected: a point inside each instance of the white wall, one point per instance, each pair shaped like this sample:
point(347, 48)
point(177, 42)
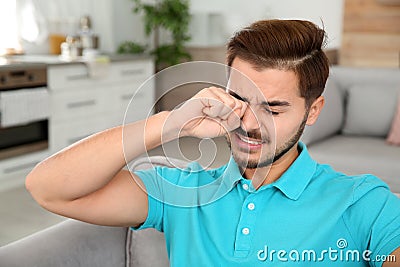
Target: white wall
point(68, 12)
point(213, 22)
point(237, 14)
point(126, 24)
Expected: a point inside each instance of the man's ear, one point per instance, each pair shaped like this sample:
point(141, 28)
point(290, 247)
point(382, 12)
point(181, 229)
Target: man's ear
point(315, 109)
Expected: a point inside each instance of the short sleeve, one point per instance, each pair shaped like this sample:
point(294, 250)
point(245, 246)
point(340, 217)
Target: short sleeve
point(155, 207)
point(374, 219)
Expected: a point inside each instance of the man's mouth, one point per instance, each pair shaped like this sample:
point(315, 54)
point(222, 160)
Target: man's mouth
point(248, 144)
point(250, 141)
point(251, 138)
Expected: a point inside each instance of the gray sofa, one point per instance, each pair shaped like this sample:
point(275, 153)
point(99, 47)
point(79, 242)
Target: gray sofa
point(352, 144)
point(77, 244)
point(351, 130)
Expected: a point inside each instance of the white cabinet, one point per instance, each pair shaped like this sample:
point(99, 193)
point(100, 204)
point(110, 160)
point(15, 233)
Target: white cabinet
point(14, 170)
point(82, 105)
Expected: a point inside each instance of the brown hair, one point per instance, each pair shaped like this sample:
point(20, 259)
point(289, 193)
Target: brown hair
point(285, 44)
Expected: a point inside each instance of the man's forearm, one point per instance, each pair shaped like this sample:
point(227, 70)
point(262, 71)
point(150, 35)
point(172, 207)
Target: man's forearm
point(91, 163)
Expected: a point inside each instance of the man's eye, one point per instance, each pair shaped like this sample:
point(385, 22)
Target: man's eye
point(274, 113)
point(238, 97)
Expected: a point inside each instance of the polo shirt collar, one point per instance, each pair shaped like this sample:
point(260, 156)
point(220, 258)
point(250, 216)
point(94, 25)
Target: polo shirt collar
point(293, 181)
point(231, 174)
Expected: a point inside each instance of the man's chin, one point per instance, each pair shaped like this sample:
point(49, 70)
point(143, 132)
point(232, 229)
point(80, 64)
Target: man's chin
point(249, 161)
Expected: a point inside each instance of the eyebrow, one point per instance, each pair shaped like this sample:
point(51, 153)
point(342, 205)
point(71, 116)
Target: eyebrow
point(276, 103)
point(273, 103)
point(238, 96)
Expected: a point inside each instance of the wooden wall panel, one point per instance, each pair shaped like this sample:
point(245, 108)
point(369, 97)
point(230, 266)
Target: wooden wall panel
point(371, 34)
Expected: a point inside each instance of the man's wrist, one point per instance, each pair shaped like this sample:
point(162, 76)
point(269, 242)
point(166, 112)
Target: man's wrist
point(171, 126)
point(167, 126)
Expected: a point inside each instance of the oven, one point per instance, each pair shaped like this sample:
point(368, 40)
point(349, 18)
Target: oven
point(24, 109)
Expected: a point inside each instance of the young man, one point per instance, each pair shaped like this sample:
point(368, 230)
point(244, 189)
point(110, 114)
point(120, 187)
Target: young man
point(270, 204)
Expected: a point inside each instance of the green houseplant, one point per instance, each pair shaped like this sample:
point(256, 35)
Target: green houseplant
point(172, 16)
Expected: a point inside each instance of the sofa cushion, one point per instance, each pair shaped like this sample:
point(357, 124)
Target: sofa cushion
point(393, 137)
point(370, 109)
point(346, 77)
point(68, 244)
point(357, 155)
point(330, 120)
point(146, 248)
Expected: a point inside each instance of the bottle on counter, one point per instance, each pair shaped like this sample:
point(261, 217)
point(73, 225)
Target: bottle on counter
point(71, 49)
point(59, 29)
point(89, 40)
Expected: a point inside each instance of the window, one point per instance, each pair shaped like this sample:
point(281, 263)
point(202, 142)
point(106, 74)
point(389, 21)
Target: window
point(8, 27)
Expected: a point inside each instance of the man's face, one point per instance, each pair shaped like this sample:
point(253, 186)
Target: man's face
point(275, 117)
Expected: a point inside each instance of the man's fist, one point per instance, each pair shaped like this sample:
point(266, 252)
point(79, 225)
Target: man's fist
point(210, 113)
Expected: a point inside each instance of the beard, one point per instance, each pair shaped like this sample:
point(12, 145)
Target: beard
point(270, 158)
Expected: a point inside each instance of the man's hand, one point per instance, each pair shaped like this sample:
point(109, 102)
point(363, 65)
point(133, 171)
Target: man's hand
point(396, 256)
point(210, 113)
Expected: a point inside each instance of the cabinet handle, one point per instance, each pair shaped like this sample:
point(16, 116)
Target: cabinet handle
point(81, 104)
point(77, 77)
point(126, 97)
point(132, 72)
point(129, 96)
point(24, 166)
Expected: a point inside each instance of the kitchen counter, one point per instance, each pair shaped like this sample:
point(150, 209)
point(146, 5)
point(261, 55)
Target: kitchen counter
point(32, 61)
point(7, 64)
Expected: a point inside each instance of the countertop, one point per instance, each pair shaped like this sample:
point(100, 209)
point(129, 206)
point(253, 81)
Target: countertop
point(40, 61)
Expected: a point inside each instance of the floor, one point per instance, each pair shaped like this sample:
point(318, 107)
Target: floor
point(22, 216)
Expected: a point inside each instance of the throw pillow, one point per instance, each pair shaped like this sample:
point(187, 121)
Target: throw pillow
point(370, 109)
point(331, 117)
point(393, 137)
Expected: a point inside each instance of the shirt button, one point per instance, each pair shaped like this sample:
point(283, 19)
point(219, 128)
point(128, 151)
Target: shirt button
point(251, 206)
point(245, 187)
point(245, 231)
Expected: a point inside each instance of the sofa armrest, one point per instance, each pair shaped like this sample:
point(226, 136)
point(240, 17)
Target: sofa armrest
point(70, 243)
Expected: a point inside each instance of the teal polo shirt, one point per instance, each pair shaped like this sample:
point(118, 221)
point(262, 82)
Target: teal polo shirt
point(312, 215)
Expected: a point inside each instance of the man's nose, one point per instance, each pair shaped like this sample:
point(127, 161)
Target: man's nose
point(250, 121)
